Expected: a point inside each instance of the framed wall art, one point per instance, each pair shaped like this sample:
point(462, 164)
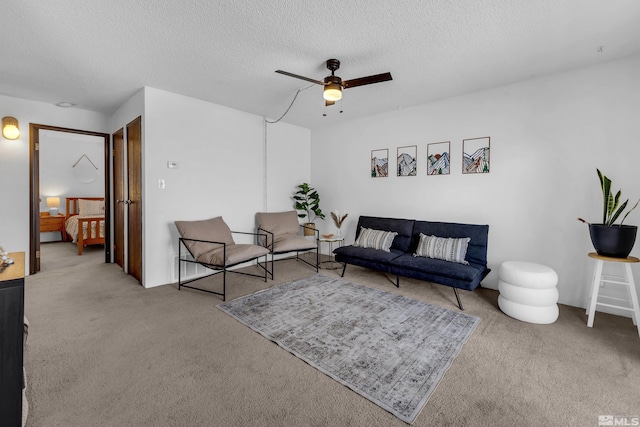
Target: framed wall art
point(439, 158)
point(407, 160)
point(380, 163)
point(475, 155)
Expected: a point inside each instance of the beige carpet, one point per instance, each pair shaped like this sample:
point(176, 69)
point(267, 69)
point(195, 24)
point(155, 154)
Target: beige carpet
point(103, 351)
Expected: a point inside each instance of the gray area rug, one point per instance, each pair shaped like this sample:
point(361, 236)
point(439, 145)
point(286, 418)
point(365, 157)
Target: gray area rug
point(386, 347)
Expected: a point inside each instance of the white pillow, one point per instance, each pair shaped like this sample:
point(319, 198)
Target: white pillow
point(444, 248)
point(375, 239)
point(91, 207)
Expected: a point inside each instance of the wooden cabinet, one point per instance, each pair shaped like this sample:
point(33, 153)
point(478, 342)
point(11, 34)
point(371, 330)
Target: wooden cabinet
point(11, 340)
point(52, 223)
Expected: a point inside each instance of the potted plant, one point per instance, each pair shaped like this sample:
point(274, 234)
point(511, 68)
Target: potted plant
point(307, 202)
point(608, 238)
point(338, 220)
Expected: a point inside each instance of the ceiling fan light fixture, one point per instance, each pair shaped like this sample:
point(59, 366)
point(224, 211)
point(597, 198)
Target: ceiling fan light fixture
point(332, 92)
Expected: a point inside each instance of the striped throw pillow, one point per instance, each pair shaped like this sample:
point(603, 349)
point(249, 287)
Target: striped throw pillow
point(444, 248)
point(375, 239)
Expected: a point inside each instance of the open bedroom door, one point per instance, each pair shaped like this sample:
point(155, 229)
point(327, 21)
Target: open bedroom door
point(119, 196)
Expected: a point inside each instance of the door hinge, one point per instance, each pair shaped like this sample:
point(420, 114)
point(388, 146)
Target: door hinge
point(113, 152)
point(37, 146)
point(37, 254)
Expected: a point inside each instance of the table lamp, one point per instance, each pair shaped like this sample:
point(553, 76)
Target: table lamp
point(53, 203)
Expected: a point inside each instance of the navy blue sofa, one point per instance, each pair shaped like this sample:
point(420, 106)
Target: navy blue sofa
point(401, 262)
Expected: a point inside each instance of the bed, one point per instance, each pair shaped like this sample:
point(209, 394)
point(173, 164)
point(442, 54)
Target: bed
point(85, 214)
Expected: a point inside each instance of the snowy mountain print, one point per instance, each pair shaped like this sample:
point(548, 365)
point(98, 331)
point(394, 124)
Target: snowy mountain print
point(476, 155)
point(407, 161)
point(438, 159)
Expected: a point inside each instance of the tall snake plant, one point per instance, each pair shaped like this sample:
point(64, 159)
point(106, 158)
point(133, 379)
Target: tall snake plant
point(612, 208)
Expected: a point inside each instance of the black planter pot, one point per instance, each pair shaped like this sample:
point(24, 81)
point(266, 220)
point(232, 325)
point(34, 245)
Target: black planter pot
point(614, 241)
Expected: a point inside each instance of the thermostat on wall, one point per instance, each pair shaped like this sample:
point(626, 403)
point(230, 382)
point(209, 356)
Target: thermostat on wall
point(172, 164)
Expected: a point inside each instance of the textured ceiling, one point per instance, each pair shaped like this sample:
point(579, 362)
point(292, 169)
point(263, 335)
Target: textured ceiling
point(98, 53)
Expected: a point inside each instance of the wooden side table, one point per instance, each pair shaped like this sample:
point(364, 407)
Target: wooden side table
point(52, 223)
point(599, 279)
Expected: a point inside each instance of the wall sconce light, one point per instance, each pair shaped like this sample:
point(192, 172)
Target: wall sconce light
point(53, 203)
point(10, 127)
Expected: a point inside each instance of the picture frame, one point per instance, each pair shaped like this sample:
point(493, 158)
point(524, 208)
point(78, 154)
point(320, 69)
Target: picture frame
point(476, 155)
point(380, 163)
point(407, 160)
point(439, 158)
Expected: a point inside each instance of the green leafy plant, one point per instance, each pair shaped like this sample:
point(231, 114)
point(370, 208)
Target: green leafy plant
point(307, 202)
point(612, 208)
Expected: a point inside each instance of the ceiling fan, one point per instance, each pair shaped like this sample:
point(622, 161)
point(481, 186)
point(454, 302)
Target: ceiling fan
point(333, 84)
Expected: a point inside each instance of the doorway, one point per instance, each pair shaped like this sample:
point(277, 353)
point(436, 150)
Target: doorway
point(34, 190)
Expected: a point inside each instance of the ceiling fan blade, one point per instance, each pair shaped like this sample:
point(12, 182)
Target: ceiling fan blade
point(366, 80)
point(286, 73)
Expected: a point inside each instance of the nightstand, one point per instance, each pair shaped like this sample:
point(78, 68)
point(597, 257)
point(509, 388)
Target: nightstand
point(52, 223)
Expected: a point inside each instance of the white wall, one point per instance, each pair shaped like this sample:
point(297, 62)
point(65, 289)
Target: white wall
point(220, 156)
point(14, 161)
point(288, 164)
point(548, 136)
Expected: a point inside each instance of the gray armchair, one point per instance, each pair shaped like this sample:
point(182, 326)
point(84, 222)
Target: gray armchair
point(283, 235)
point(210, 243)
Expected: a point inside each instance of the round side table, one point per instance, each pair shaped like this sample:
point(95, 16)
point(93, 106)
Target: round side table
point(332, 260)
point(600, 279)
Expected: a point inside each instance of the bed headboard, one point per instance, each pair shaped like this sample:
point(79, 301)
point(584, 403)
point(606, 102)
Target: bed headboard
point(73, 207)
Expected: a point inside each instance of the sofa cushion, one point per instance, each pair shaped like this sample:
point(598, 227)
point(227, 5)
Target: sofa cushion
point(479, 235)
point(438, 271)
point(444, 248)
point(374, 256)
point(375, 239)
point(404, 228)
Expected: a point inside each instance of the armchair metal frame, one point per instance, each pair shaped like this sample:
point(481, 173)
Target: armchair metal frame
point(298, 252)
point(221, 268)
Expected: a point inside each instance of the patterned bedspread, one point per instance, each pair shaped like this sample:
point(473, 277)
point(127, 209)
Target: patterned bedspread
point(72, 227)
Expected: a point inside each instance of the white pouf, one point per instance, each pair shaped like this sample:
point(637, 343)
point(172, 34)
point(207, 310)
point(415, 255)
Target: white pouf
point(528, 292)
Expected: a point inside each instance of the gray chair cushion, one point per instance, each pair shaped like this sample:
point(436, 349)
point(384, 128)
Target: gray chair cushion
point(211, 230)
point(279, 222)
point(286, 232)
point(216, 230)
point(288, 243)
point(234, 254)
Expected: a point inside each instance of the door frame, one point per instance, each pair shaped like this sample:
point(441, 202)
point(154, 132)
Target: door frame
point(34, 191)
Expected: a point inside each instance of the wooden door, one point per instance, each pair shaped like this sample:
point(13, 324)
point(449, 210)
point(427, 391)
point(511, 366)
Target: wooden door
point(119, 195)
point(34, 220)
point(134, 199)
